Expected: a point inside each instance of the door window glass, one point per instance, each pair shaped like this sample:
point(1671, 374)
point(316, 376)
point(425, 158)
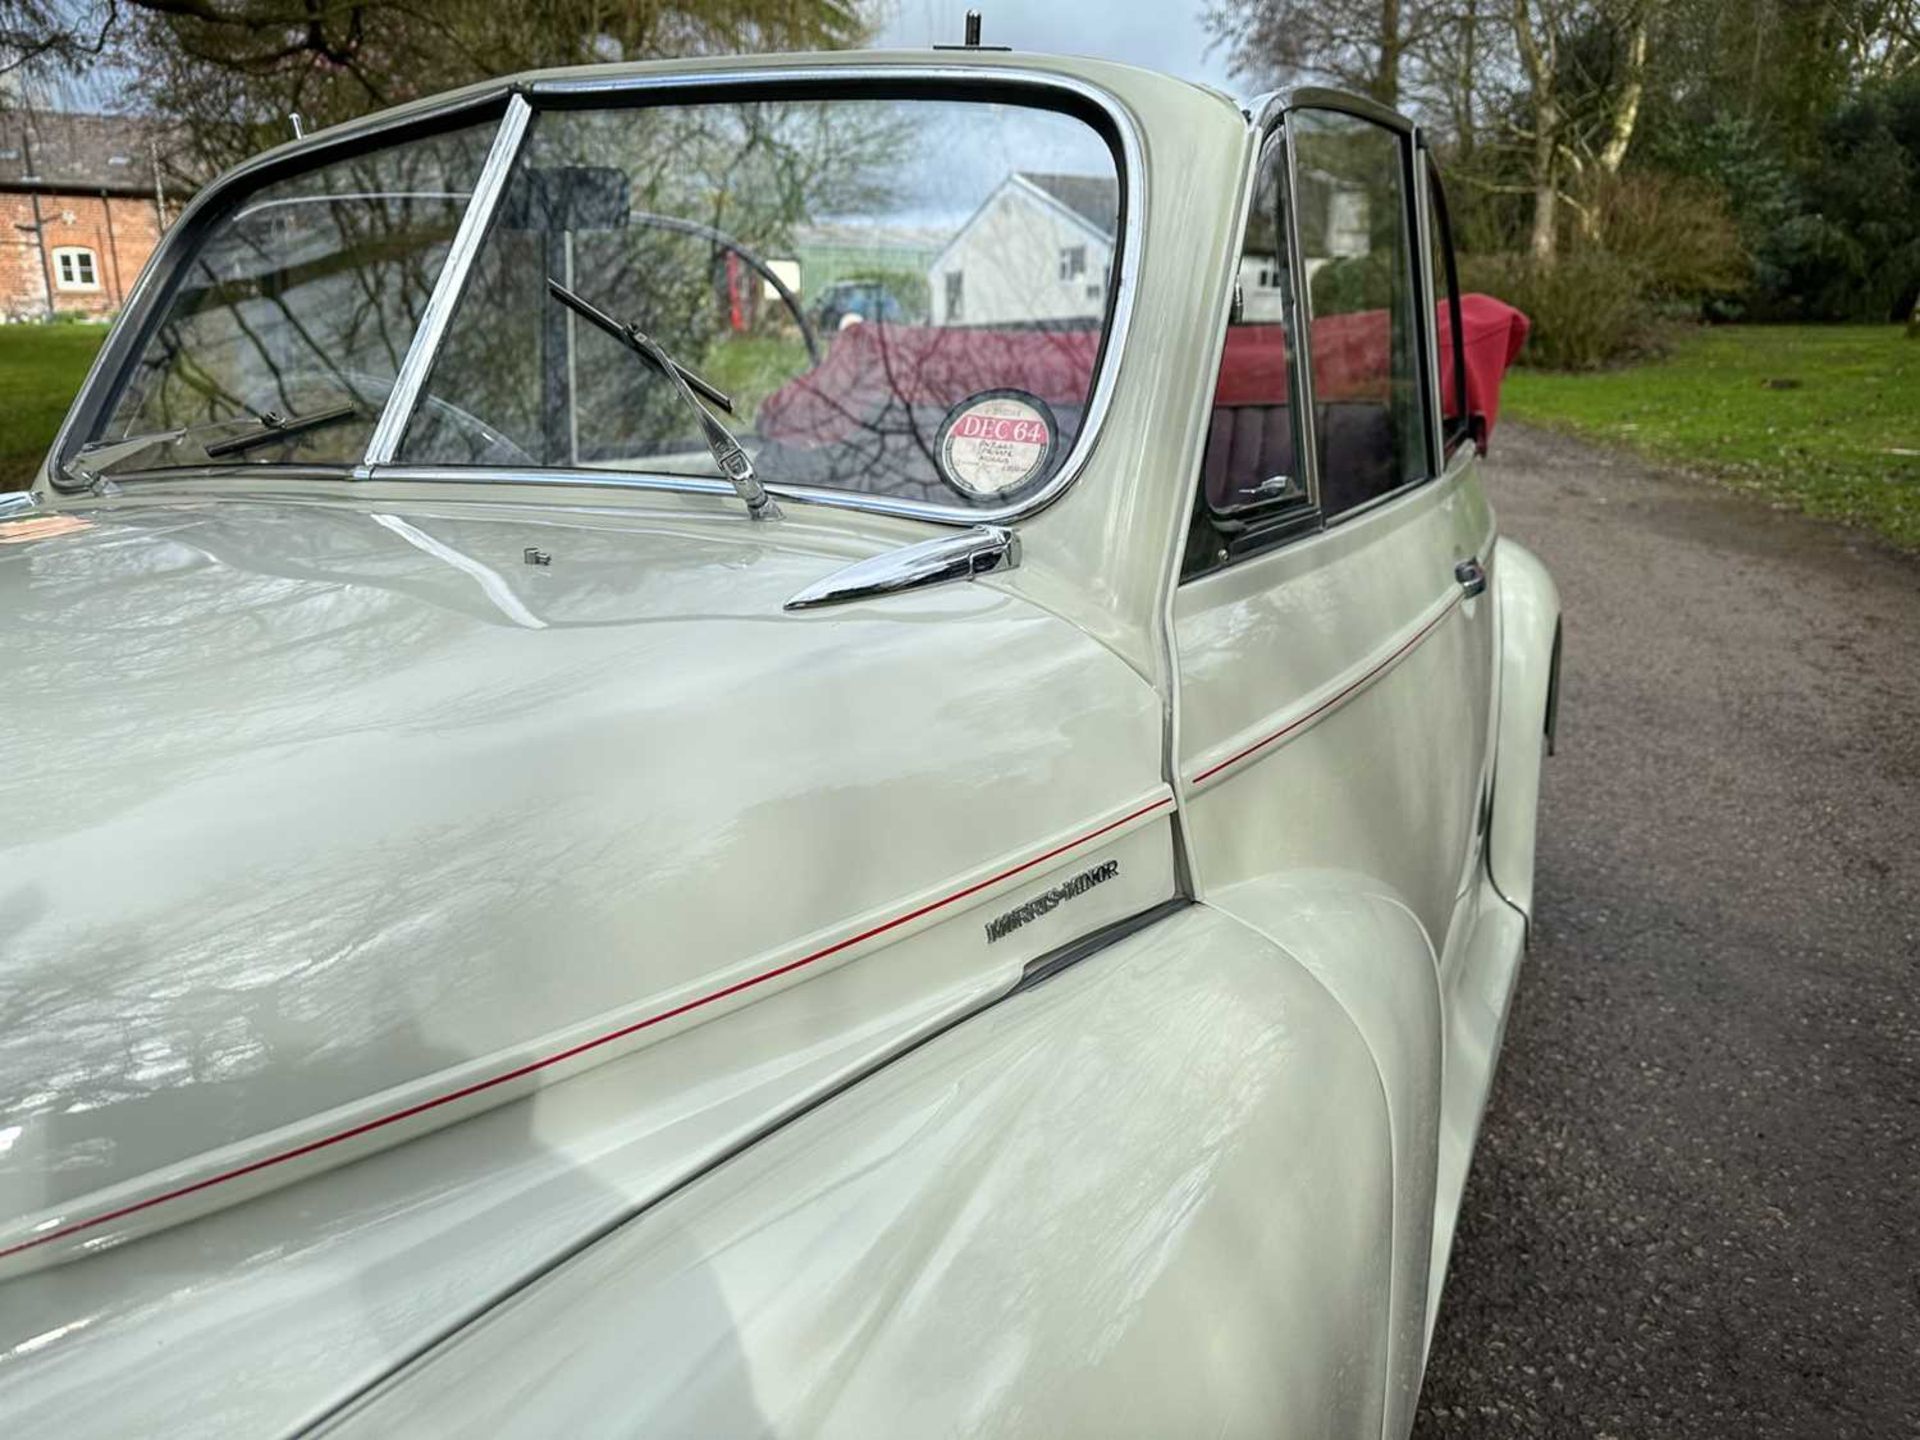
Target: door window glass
point(1355, 249)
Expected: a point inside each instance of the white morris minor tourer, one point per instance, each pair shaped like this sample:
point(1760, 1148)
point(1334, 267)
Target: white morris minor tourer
point(823, 746)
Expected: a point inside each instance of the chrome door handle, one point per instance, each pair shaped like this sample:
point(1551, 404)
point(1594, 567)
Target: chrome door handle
point(1472, 577)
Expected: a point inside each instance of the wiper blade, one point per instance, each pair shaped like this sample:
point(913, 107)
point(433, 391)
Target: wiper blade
point(93, 461)
point(275, 426)
point(728, 453)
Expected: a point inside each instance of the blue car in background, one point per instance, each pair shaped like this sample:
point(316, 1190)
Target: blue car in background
point(847, 301)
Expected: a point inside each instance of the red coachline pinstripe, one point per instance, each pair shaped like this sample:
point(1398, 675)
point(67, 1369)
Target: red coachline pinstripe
point(571, 1051)
point(1332, 700)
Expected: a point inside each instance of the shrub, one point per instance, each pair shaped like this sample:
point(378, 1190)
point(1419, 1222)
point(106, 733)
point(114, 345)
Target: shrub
point(1349, 283)
point(1851, 249)
point(1676, 232)
point(1589, 307)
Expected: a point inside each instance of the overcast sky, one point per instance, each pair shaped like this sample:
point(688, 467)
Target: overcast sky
point(1162, 35)
point(1159, 34)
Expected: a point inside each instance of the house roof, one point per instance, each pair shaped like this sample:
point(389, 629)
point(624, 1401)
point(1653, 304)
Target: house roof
point(82, 153)
point(1090, 201)
point(1094, 198)
point(869, 237)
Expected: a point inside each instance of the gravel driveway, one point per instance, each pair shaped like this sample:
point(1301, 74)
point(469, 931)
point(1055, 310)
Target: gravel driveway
point(1695, 1210)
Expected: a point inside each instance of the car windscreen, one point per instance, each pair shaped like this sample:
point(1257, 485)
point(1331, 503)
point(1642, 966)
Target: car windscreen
point(282, 331)
point(900, 297)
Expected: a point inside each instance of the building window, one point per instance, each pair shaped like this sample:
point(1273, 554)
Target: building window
point(1073, 261)
point(75, 268)
point(956, 294)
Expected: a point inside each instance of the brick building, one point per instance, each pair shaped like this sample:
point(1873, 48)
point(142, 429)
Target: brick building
point(82, 205)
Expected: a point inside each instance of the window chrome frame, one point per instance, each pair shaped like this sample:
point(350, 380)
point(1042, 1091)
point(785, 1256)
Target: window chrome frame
point(1266, 525)
point(1429, 177)
point(523, 98)
point(1268, 115)
point(1273, 106)
point(1419, 159)
point(1300, 322)
point(403, 398)
point(1275, 143)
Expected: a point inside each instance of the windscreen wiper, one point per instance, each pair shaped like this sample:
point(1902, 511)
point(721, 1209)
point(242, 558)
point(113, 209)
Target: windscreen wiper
point(728, 453)
point(91, 463)
point(275, 426)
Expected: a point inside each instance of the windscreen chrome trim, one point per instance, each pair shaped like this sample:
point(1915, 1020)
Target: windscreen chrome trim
point(656, 87)
point(404, 396)
point(554, 475)
point(181, 240)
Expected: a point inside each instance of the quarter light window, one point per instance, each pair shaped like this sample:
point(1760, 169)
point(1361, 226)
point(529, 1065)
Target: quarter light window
point(1251, 451)
point(1251, 483)
point(1368, 418)
point(961, 380)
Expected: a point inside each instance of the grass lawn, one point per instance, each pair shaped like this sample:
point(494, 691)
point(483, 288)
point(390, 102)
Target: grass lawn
point(40, 368)
point(1825, 418)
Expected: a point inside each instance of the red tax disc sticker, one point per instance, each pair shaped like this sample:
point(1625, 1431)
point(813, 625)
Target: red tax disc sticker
point(995, 443)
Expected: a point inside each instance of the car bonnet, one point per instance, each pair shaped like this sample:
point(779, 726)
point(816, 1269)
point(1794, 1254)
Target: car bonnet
point(328, 825)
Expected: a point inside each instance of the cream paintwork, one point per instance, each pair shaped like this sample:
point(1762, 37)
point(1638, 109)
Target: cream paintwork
point(1296, 702)
point(1186, 1186)
point(521, 783)
point(1369, 952)
point(313, 1291)
point(1530, 628)
point(1379, 708)
point(1041, 1224)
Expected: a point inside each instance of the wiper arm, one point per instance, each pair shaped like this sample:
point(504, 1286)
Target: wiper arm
point(275, 426)
point(728, 453)
point(93, 461)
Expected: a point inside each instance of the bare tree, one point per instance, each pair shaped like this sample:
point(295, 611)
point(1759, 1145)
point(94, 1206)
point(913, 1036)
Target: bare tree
point(1623, 109)
point(1559, 82)
point(44, 35)
point(1585, 68)
point(1364, 45)
point(229, 69)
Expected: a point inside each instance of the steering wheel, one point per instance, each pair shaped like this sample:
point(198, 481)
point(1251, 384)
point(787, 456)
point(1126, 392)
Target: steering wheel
point(310, 389)
point(754, 263)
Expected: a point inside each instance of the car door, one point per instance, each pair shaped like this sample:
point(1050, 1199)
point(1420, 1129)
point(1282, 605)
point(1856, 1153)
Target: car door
point(1333, 626)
